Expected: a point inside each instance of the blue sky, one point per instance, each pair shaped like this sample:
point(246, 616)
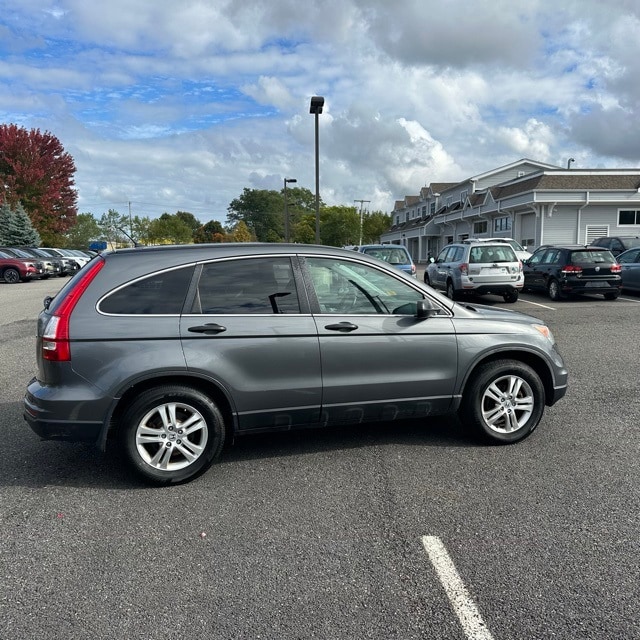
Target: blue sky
point(181, 105)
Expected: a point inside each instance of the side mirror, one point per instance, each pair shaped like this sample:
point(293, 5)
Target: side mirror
point(47, 301)
point(426, 309)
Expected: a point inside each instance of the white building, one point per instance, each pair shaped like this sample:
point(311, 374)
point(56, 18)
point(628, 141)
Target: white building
point(533, 202)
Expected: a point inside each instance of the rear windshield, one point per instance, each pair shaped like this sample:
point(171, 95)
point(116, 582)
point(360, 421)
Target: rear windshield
point(591, 257)
point(493, 253)
point(631, 243)
point(391, 255)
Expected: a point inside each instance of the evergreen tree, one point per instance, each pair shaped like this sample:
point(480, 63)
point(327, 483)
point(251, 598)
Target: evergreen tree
point(16, 228)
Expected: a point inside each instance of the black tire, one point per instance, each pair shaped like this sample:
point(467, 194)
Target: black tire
point(511, 296)
point(426, 279)
point(553, 289)
point(164, 456)
point(11, 275)
point(612, 295)
point(451, 292)
point(503, 401)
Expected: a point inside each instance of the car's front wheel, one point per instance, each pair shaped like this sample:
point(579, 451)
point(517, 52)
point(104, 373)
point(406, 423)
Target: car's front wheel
point(504, 401)
point(11, 275)
point(171, 434)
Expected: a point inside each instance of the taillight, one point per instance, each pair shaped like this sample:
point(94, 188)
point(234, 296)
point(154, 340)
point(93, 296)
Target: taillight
point(616, 268)
point(464, 268)
point(55, 339)
point(571, 269)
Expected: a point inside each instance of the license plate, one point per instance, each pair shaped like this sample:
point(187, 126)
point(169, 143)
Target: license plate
point(597, 284)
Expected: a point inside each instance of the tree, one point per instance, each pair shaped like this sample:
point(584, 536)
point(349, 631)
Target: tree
point(169, 229)
point(208, 232)
point(111, 224)
point(374, 224)
point(190, 220)
point(339, 226)
point(16, 228)
point(84, 230)
point(262, 211)
point(241, 233)
point(36, 172)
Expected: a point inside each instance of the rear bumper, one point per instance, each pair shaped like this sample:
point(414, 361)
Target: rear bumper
point(497, 289)
point(64, 414)
point(576, 285)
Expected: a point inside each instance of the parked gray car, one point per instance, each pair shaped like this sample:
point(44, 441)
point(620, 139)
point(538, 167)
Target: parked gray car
point(630, 269)
point(170, 351)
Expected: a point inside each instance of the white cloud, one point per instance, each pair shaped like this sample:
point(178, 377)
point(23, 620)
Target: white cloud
point(182, 105)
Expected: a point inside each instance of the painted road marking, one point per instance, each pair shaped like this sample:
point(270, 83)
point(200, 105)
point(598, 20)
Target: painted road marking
point(463, 606)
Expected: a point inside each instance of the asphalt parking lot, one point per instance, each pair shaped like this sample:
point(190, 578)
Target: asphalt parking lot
point(345, 534)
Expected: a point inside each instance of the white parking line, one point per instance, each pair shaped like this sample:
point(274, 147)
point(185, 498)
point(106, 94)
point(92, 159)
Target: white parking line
point(537, 304)
point(463, 606)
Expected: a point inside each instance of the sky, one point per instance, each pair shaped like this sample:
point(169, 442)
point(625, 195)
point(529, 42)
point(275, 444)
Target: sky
point(179, 105)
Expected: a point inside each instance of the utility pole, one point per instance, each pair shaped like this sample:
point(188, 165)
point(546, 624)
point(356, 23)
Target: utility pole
point(362, 202)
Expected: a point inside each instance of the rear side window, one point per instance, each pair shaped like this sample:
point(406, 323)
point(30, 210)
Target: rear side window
point(247, 286)
point(391, 255)
point(162, 293)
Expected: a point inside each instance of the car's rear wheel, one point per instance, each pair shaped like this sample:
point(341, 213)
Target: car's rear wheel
point(511, 296)
point(451, 292)
point(11, 275)
point(612, 295)
point(553, 289)
point(503, 402)
point(427, 280)
point(171, 434)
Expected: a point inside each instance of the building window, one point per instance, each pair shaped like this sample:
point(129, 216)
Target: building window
point(398, 219)
point(449, 200)
point(480, 227)
point(502, 224)
point(628, 217)
point(424, 211)
point(432, 208)
point(463, 196)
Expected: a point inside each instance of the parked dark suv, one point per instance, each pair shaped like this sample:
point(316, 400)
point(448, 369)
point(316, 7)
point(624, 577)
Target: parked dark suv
point(568, 270)
point(617, 244)
point(170, 351)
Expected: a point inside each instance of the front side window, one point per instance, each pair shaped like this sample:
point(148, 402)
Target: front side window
point(162, 293)
point(344, 287)
point(247, 286)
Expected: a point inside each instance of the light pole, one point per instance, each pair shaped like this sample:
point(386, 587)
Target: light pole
point(286, 209)
point(317, 102)
point(361, 203)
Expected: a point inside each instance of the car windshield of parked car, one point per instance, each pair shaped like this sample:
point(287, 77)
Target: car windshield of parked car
point(390, 255)
point(344, 287)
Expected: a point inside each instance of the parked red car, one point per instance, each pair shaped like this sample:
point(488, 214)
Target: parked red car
point(13, 270)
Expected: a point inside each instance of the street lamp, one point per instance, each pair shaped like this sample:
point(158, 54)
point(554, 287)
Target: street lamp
point(317, 102)
point(286, 209)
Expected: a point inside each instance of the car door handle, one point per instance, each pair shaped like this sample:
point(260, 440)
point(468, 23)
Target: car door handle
point(343, 327)
point(209, 328)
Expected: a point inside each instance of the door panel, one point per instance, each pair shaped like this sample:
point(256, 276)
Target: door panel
point(382, 365)
point(263, 350)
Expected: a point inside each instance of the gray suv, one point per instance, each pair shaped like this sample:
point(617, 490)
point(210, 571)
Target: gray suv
point(476, 267)
point(168, 352)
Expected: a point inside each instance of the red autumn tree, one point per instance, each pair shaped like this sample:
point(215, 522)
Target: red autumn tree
point(38, 173)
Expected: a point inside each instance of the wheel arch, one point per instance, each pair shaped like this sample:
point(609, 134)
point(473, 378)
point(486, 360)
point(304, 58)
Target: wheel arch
point(208, 387)
point(534, 360)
